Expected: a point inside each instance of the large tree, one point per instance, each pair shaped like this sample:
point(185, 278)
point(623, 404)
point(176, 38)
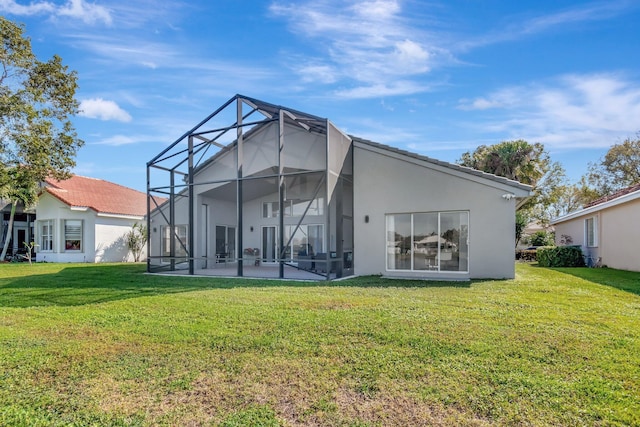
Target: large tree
point(529, 164)
point(37, 102)
point(619, 168)
point(517, 160)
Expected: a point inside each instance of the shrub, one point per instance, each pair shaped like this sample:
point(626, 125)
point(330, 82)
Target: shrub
point(542, 238)
point(526, 254)
point(560, 256)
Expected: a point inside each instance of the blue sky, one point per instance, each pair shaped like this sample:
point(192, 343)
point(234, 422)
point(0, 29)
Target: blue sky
point(435, 77)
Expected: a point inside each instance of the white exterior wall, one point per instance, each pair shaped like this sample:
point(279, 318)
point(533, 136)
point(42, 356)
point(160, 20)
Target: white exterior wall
point(111, 243)
point(51, 208)
point(617, 235)
point(573, 229)
point(102, 236)
point(387, 183)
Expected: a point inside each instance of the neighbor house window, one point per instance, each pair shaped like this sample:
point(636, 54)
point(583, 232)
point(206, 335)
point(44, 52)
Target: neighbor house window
point(73, 235)
point(436, 241)
point(591, 232)
point(46, 235)
point(180, 237)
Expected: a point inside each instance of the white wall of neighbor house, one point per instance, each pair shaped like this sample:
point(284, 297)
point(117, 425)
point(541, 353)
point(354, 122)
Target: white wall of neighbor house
point(575, 229)
point(617, 235)
point(394, 184)
point(51, 209)
point(111, 243)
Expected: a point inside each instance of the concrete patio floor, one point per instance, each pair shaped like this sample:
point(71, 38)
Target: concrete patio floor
point(264, 271)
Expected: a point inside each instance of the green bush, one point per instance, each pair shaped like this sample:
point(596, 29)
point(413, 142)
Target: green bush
point(542, 238)
point(560, 256)
point(526, 254)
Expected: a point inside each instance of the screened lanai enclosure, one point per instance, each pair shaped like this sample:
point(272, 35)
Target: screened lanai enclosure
point(254, 190)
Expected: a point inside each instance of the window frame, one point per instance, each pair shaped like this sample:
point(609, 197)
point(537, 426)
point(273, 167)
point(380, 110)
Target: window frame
point(412, 268)
point(51, 234)
point(591, 224)
point(181, 252)
point(65, 238)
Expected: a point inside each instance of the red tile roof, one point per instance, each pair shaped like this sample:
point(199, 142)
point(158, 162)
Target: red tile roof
point(100, 195)
point(612, 196)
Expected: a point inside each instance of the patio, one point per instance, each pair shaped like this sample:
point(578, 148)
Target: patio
point(263, 271)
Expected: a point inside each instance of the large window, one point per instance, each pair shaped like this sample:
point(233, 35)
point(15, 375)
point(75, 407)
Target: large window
point(295, 208)
point(312, 207)
point(435, 241)
point(181, 241)
point(73, 235)
point(591, 232)
point(307, 241)
point(46, 235)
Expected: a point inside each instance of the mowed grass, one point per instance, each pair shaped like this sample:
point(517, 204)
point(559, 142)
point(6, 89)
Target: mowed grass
point(109, 345)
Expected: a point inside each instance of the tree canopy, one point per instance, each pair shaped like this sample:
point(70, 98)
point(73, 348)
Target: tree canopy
point(518, 160)
point(529, 164)
point(619, 168)
point(37, 101)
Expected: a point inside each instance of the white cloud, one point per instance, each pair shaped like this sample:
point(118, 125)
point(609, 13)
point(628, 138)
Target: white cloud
point(500, 99)
point(127, 50)
point(89, 13)
point(98, 108)
point(118, 140)
point(318, 73)
point(382, 90)
point(11, 7)
point(586, 12)
point(378, 9)
point(573, 111)
point(369, 43)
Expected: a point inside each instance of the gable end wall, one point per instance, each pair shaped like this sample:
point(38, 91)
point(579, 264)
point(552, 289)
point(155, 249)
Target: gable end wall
point(385, 184)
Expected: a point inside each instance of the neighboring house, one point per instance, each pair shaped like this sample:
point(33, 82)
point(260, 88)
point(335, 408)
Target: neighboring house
point(282, 193)
point(86, 219)
point(22, 231)
point(532, 228)
point(607, 229)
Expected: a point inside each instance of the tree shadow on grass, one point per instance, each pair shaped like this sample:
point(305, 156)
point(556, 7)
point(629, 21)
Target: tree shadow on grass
point(97, 283)
point(628, 281)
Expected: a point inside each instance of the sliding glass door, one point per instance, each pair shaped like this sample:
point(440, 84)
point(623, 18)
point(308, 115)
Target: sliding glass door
point(225, 243)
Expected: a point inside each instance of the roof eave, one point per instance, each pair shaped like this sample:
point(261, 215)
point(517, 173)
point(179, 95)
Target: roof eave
point(608, 204)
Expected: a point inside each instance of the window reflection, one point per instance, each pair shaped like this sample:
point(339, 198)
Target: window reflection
point(435, 241)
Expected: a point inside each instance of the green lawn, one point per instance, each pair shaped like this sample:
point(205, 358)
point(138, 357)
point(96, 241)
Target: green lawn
point(85, 344)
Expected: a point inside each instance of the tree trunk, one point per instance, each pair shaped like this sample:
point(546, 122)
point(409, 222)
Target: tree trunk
point(9, 231)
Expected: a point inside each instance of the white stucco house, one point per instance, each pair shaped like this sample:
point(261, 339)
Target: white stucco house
point(282, 193)
point(85, 220)
point(607, 229)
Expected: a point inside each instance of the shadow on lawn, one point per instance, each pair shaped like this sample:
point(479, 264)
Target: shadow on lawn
point(628, 281)
point(90, 284)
